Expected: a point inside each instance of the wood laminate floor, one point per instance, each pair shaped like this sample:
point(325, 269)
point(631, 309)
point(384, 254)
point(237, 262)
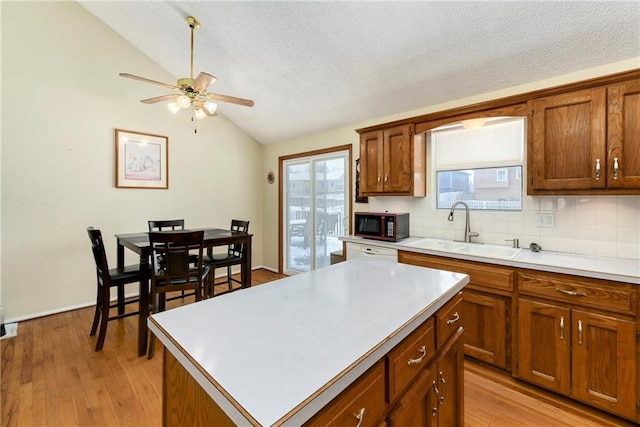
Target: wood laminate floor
point(51, 376)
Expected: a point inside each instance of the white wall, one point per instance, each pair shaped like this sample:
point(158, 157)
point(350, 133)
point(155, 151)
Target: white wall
point(606, 225)
point(62, 99)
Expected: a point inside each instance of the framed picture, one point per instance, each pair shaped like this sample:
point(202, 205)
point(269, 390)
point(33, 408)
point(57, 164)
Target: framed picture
point(141, 160)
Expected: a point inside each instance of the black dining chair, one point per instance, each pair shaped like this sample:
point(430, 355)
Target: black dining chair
point(176, 272)
point(166, 225)
point(234, 256)
point(171, 225)
point(106, 279)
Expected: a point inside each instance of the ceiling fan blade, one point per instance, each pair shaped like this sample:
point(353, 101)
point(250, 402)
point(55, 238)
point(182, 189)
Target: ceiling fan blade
point(231, 99)
point(142, 79)
point(203, 81)
point(160, 98)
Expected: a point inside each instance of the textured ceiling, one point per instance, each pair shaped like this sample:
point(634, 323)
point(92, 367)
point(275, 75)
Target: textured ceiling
point(312, 66)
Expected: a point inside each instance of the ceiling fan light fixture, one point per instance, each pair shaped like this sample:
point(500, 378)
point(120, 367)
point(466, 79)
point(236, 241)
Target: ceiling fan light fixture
point(211, 107)
point(173, 107)
point(184, 101)
point(199, 113)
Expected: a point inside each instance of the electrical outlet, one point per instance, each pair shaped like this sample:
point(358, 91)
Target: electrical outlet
point(545, 220)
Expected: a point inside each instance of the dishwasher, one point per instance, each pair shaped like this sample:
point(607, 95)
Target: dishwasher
point(355, 250)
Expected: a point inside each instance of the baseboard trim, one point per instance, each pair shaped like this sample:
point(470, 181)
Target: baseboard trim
point(92, 303)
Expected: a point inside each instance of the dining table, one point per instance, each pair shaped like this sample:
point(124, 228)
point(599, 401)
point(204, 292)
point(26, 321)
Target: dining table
point(139, 243)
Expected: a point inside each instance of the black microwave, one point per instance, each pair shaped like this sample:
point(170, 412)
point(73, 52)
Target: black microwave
point(382, 226)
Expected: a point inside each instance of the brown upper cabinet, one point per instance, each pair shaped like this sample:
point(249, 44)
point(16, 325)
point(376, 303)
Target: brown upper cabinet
point(585, 141)
point(392, 162)
point(623, 129)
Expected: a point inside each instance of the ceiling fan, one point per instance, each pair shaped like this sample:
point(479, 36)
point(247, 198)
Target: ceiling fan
point(193, 91)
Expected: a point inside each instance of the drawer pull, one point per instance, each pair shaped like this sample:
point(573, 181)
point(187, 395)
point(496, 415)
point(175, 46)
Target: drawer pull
point(572, 293)
point(422, 350)
point(597, 169)
point(359, 416)
point(579, 331)
point(561, 327)
point(455, 318)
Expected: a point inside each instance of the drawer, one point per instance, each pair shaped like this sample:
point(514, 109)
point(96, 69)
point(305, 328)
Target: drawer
point(595, 293)
point(410, 356)
point(366, 393)
point(448, 320)
point(480, 275)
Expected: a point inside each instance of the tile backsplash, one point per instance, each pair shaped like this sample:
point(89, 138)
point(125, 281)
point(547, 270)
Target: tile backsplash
point(607, 226)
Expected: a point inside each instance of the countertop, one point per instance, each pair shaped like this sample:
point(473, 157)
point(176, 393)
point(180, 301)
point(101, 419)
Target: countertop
point(615, 269)
point(279, 352)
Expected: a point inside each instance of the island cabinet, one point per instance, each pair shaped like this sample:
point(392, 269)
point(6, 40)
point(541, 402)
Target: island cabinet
point(346, 345)
point(578, 337)
point(486, 304)
point(586, 141)
point(392, 163)
point(424, 381)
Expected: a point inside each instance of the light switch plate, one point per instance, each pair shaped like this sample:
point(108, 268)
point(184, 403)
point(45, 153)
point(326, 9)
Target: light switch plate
point(545, 220)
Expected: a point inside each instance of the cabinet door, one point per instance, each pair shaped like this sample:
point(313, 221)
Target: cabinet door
point(418, 407)
point(398, 160)
point(371, 162)
point(485, 327)
point(568, 144)
point(604, 366)
point(544, 345)
point(623, 120)
point(450, 384)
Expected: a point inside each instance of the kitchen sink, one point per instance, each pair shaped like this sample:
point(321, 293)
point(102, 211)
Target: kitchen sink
point(478, 249)
point(438, 245)
point(490, 251)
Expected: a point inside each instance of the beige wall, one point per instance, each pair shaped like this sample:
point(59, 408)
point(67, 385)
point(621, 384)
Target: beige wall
point(62, 98)
point(422, 206)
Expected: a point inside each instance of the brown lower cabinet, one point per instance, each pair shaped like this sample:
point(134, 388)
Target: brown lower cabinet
point(486, 304)
point(573, 335)
point(424, 381)
point(435, 398)
point(578, 337)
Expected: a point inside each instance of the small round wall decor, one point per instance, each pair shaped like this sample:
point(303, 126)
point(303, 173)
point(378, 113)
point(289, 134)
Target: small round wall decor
point(271, 178)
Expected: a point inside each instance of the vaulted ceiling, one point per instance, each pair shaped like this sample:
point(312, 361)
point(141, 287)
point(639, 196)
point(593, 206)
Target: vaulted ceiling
point(317, 65)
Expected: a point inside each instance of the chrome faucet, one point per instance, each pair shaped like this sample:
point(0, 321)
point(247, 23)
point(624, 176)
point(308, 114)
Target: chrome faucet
point(468, 234)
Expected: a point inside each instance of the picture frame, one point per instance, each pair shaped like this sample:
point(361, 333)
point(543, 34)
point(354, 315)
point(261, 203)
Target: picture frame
point(142, 160)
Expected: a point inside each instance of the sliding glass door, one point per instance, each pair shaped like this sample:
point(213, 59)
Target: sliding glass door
point(315, 209)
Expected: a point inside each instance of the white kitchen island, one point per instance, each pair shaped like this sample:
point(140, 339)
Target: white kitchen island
point(276, 354)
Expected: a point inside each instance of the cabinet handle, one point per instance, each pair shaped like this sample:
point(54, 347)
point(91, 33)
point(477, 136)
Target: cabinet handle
point(561, 327)
point(359, 416)
point(386, 178)
point(440, 399)
point(579, 331)
point(616, 168)
point(444, 384)
point(422, 350)
point(597, 169)
point(572, 293)
point(454, 319)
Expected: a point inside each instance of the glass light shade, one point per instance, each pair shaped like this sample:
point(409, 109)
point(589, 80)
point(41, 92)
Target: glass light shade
point(199, 113)
point(211, 107)
point(184, 101)
point(474, 123)
point(173, 107)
